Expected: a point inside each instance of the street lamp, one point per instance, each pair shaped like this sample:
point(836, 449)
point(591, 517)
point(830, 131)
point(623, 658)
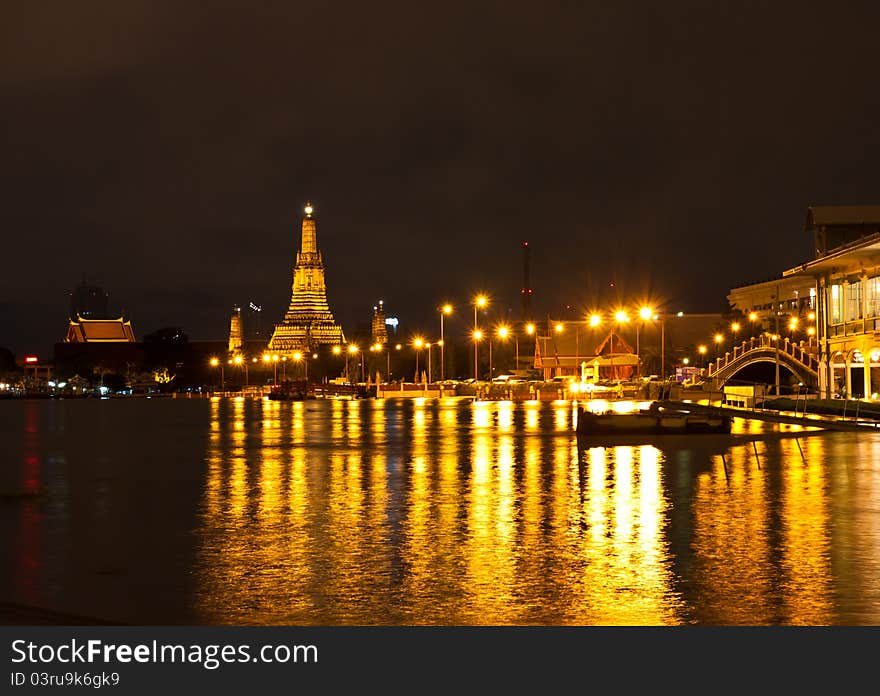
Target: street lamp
point(645, 314)
point(376, 347)
point(215, 362)
point(445, 310)
point(274, 360)
point(417, 344)
point(239, 360)
point(478, 335)
point(428, 346)
point(480, 301)
point(719, 338)
point(530, 331)
point(298, 357)
point(702, 351)
point(620, 317)
point(503, 333)
point(753, 319)
point(352, 350)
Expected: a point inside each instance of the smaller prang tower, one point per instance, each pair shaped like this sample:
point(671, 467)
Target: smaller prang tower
point(379, 332)
point(235, 335)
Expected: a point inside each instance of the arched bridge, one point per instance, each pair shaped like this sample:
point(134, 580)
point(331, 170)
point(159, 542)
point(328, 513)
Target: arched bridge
point(797, 357)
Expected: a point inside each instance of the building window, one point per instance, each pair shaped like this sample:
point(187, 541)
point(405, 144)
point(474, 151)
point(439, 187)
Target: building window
point(872, 296)
point(854, 301)
point(836, 304)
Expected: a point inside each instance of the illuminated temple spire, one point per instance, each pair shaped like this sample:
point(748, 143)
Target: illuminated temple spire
point(235, 335)
point(308, 321)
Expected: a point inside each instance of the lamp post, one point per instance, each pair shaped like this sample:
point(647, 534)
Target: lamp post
point(417, 344)
point(376, 347)
point(240, 360)
point(490, 357)
point(337, 350)
point(428, 346)
point(477, 335)
point(753, 319)
point(530, 330)
point(352, 350)
point(702, 351)
point(480, 301)
point(594, 320)
point(776, 330)
point(718, 338)
point(445, 310)
point(620, 317)
point(356, 351)
point(299, 357)
point(645, 314)
point(662, 317)
point(503, 333)
point(274, 360)
point(215, 362)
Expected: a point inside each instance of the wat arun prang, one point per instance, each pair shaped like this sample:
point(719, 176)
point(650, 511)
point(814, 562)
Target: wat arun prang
point(309, 321)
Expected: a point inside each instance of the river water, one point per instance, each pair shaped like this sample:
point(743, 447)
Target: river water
point(233, 511)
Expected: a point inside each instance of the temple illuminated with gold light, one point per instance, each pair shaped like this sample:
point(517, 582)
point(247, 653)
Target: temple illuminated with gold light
point(308, 321)
point(235, 335)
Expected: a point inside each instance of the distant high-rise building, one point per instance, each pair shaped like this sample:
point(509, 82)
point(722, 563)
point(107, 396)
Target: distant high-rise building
point(379, 330)
point(235, 335)
point(308, 321)
point(89, 302)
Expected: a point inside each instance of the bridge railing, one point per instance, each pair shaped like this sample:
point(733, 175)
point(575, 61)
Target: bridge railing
point(803, 353)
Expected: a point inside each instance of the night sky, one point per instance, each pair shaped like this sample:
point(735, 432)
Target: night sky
point(165, 152)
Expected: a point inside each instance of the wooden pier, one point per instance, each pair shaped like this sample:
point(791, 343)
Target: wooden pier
point(806, 420)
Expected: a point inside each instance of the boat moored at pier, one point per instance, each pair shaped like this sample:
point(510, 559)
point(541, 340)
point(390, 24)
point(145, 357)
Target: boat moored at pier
point(654, 420)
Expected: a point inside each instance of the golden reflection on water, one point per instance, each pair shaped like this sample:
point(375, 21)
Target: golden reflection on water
point(461, 512)
point(629, 579)
point(763, 535)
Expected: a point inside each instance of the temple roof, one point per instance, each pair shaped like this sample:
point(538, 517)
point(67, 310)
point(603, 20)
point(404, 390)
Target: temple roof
point(99, 331)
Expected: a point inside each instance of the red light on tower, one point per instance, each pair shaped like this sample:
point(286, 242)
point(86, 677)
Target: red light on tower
point(31, 359)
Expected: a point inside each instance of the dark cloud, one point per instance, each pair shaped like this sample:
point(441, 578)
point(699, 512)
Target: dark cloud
point(167, 148)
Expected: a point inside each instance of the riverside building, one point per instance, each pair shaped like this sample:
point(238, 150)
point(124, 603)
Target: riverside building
point(830, 304)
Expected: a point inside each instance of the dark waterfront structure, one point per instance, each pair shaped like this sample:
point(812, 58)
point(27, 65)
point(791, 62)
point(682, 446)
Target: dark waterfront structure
point(309, 321)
